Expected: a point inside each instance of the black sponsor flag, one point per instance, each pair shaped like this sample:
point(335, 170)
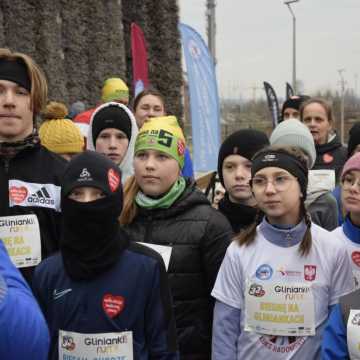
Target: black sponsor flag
point(273, 103)
point(289, 91)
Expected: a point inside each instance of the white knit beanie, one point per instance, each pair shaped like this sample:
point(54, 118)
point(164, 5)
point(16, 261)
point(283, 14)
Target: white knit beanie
point(292, 132)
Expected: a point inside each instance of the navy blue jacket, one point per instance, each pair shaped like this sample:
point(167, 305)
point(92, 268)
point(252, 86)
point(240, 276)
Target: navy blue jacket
point(23, 330)
point(139, 277)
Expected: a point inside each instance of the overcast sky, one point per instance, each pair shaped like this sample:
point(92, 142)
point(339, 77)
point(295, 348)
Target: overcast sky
point(254, 43)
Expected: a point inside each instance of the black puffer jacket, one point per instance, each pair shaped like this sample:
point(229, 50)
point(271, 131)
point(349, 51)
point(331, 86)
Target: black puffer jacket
point(30, 184)
point(331, 155)
point(199, 236)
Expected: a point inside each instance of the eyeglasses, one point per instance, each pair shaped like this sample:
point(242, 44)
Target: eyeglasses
point(349, 181)
point(280, 183)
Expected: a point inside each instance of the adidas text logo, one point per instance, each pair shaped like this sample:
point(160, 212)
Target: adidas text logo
point(41, 197)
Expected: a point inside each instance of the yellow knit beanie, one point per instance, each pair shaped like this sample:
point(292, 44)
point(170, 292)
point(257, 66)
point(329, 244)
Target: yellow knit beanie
point(57, 134)
point(115, 89)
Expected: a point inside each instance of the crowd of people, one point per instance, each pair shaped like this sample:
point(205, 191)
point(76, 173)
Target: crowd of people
point(110, 250)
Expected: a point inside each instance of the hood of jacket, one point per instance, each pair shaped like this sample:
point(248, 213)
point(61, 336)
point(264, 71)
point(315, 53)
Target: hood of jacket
point(126, 165)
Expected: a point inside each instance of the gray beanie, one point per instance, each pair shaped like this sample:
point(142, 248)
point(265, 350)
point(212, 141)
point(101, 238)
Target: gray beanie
point(292, 132)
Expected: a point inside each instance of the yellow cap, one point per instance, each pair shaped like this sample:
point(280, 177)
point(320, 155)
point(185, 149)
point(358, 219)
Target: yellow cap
point(114, 89)
point(58, 134)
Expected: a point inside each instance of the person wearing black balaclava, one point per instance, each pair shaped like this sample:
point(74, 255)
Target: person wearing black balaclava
point(101, 290)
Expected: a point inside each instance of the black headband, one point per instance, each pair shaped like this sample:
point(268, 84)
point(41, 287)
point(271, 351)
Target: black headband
point(15, 71)
point(284, 161)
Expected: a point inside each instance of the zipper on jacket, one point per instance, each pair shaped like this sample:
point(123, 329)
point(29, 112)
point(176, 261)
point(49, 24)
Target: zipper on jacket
point(148, 230)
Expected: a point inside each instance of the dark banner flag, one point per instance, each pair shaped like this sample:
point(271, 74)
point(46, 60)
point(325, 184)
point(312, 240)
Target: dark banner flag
point(289, 91)
point(273, 103)
point(139, 59)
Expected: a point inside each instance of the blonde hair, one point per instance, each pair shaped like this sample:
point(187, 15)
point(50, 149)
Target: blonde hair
point(39, 89)
point(247, 236)
point(130, 209)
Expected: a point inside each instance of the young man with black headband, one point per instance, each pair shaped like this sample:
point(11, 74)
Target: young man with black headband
point(29, 173)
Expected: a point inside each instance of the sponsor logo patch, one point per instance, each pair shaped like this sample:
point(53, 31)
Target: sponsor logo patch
point(180, 147)
point(289, 273)
point(355, 257)
point(68, 343)
point(269, 157)
point(23, 193)
point(328, 158)
point(57, 294)
point(85, 173)
point(18, 194)
point(256, 290)
point(264, 272)
point(309, 272)
point(356, 319)
point(113, 179)
point(113, 305)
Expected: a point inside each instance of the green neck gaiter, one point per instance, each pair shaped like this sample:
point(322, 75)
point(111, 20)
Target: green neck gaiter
point(164, 202)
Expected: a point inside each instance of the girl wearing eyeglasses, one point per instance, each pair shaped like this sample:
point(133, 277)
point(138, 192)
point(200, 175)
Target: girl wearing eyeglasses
point(281, 276)
point(343, 330)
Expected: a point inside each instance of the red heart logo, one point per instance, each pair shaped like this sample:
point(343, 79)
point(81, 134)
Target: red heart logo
point(355, 256)
point(114, 180)
point(328, 158)
point(113, 305)
point(18, 194)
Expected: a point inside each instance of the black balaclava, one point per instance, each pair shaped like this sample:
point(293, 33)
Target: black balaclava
point(91, 239)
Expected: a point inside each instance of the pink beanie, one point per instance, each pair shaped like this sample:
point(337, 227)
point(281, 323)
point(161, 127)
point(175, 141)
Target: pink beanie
point(353, 163)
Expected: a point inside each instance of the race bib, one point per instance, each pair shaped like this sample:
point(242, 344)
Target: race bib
point(164, 251)
point(353, 334)
point(321, 180)
point(21, 237)
point(117, 346)
point(276, 308)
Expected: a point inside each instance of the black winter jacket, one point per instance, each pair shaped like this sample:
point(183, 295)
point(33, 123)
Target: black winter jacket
point(331, 155)
point(199, 236)
point(31, 185)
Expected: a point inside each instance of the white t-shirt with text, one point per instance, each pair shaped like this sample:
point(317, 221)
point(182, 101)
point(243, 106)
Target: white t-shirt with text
point(326, 268)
